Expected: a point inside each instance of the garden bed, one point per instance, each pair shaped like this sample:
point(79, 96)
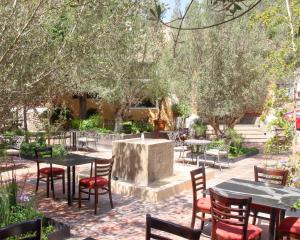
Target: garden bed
point(248, 152)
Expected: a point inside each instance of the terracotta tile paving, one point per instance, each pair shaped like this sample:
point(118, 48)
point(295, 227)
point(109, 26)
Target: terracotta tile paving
point(127, 219)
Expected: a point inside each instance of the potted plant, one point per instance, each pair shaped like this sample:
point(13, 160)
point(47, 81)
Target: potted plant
point(159, 123)
point(181, 111)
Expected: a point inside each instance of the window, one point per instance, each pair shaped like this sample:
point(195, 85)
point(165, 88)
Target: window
point(146, 103)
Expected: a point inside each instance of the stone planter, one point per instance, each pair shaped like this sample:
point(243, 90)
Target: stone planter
point(62, 231)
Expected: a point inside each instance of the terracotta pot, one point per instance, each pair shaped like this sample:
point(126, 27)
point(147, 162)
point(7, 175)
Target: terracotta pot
point(160, 125)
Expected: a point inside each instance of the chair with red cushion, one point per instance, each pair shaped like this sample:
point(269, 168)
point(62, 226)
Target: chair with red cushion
point(201, 204)
point(100, 183)
point(48, 174)
point(273, 176)
point(230, 218)
point(289, 227)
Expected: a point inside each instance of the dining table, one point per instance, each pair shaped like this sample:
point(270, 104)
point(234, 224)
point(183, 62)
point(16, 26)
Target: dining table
point(197, 142)
point(278, 198)
point(70, 161)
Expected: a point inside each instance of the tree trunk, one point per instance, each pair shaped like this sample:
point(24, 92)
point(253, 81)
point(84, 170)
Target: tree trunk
point(160, 105)
point(215, 123)
point(25, 118)
point(119, 117)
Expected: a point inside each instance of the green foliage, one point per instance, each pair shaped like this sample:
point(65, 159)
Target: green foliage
point(92, 123)
point(200, 129)
point(236, 141)
point(137, 127)
point(276, 105)
point(27, 148)
point(75, 123)
point(296, 205)
point(103, 130)
point(12, 212)
point(181, 109)
point(59, 150)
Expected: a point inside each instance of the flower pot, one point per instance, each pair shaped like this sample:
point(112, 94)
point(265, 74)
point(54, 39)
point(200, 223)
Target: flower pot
point(159, 125)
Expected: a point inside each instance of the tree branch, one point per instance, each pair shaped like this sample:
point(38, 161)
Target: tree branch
point(20, 34)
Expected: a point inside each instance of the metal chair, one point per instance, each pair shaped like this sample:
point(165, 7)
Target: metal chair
point(168, 227)
point(22, 229)
point(100, 181)
point(179, 144)
point(218, 152)
point(15, 149)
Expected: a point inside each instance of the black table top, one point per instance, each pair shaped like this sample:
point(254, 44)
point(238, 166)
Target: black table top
point(262, 193)
point(69, 160)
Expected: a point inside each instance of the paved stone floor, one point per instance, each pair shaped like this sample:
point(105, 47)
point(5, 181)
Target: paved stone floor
point(127, 219)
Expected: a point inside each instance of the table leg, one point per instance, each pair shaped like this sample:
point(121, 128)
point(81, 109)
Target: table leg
point(273, 220)
point(73, 180)
point(69, 185)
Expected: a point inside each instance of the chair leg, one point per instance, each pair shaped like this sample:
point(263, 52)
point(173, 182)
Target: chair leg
point(96, 199)
point(52, 187)
point(37, 183)
point(202, 221)
point(79, 196)
point(110, 197)
point(254, 218)
point(63, 183)
point(47, 186)
point(193, 218)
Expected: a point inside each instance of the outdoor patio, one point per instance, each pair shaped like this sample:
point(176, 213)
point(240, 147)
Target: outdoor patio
point(127, 219)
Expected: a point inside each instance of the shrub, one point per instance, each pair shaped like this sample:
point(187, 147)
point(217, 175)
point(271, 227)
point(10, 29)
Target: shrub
point(93, 122)
point(200, 129)
point(236, 141)
point(75, 123)
point(181, 109)
point(104, 130)
point(59, 150)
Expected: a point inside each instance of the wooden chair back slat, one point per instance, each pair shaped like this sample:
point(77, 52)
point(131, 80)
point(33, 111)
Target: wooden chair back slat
point(198, 179)
point(274, 176)
point(23, 228)
point(169, 227)
point(103, 167)
point(231, 211)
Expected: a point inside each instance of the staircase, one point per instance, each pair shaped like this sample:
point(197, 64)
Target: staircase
point(251, 133)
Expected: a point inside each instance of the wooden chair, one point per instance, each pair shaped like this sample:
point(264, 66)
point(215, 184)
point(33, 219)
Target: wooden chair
point(48, 174)
point(100, 181)
point(169, 227)
point(200, 204)
point(274, 176)
point(290, 228)
point(22, 229)
point(230, 218)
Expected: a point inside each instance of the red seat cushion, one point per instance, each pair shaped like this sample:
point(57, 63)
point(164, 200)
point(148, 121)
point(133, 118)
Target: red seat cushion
point(90, 182)
point(55, 171)
point(203, 204)
point(290, 225)
point(232, 232)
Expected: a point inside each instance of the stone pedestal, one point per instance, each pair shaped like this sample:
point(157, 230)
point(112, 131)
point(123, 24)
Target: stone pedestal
point(143, 161)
